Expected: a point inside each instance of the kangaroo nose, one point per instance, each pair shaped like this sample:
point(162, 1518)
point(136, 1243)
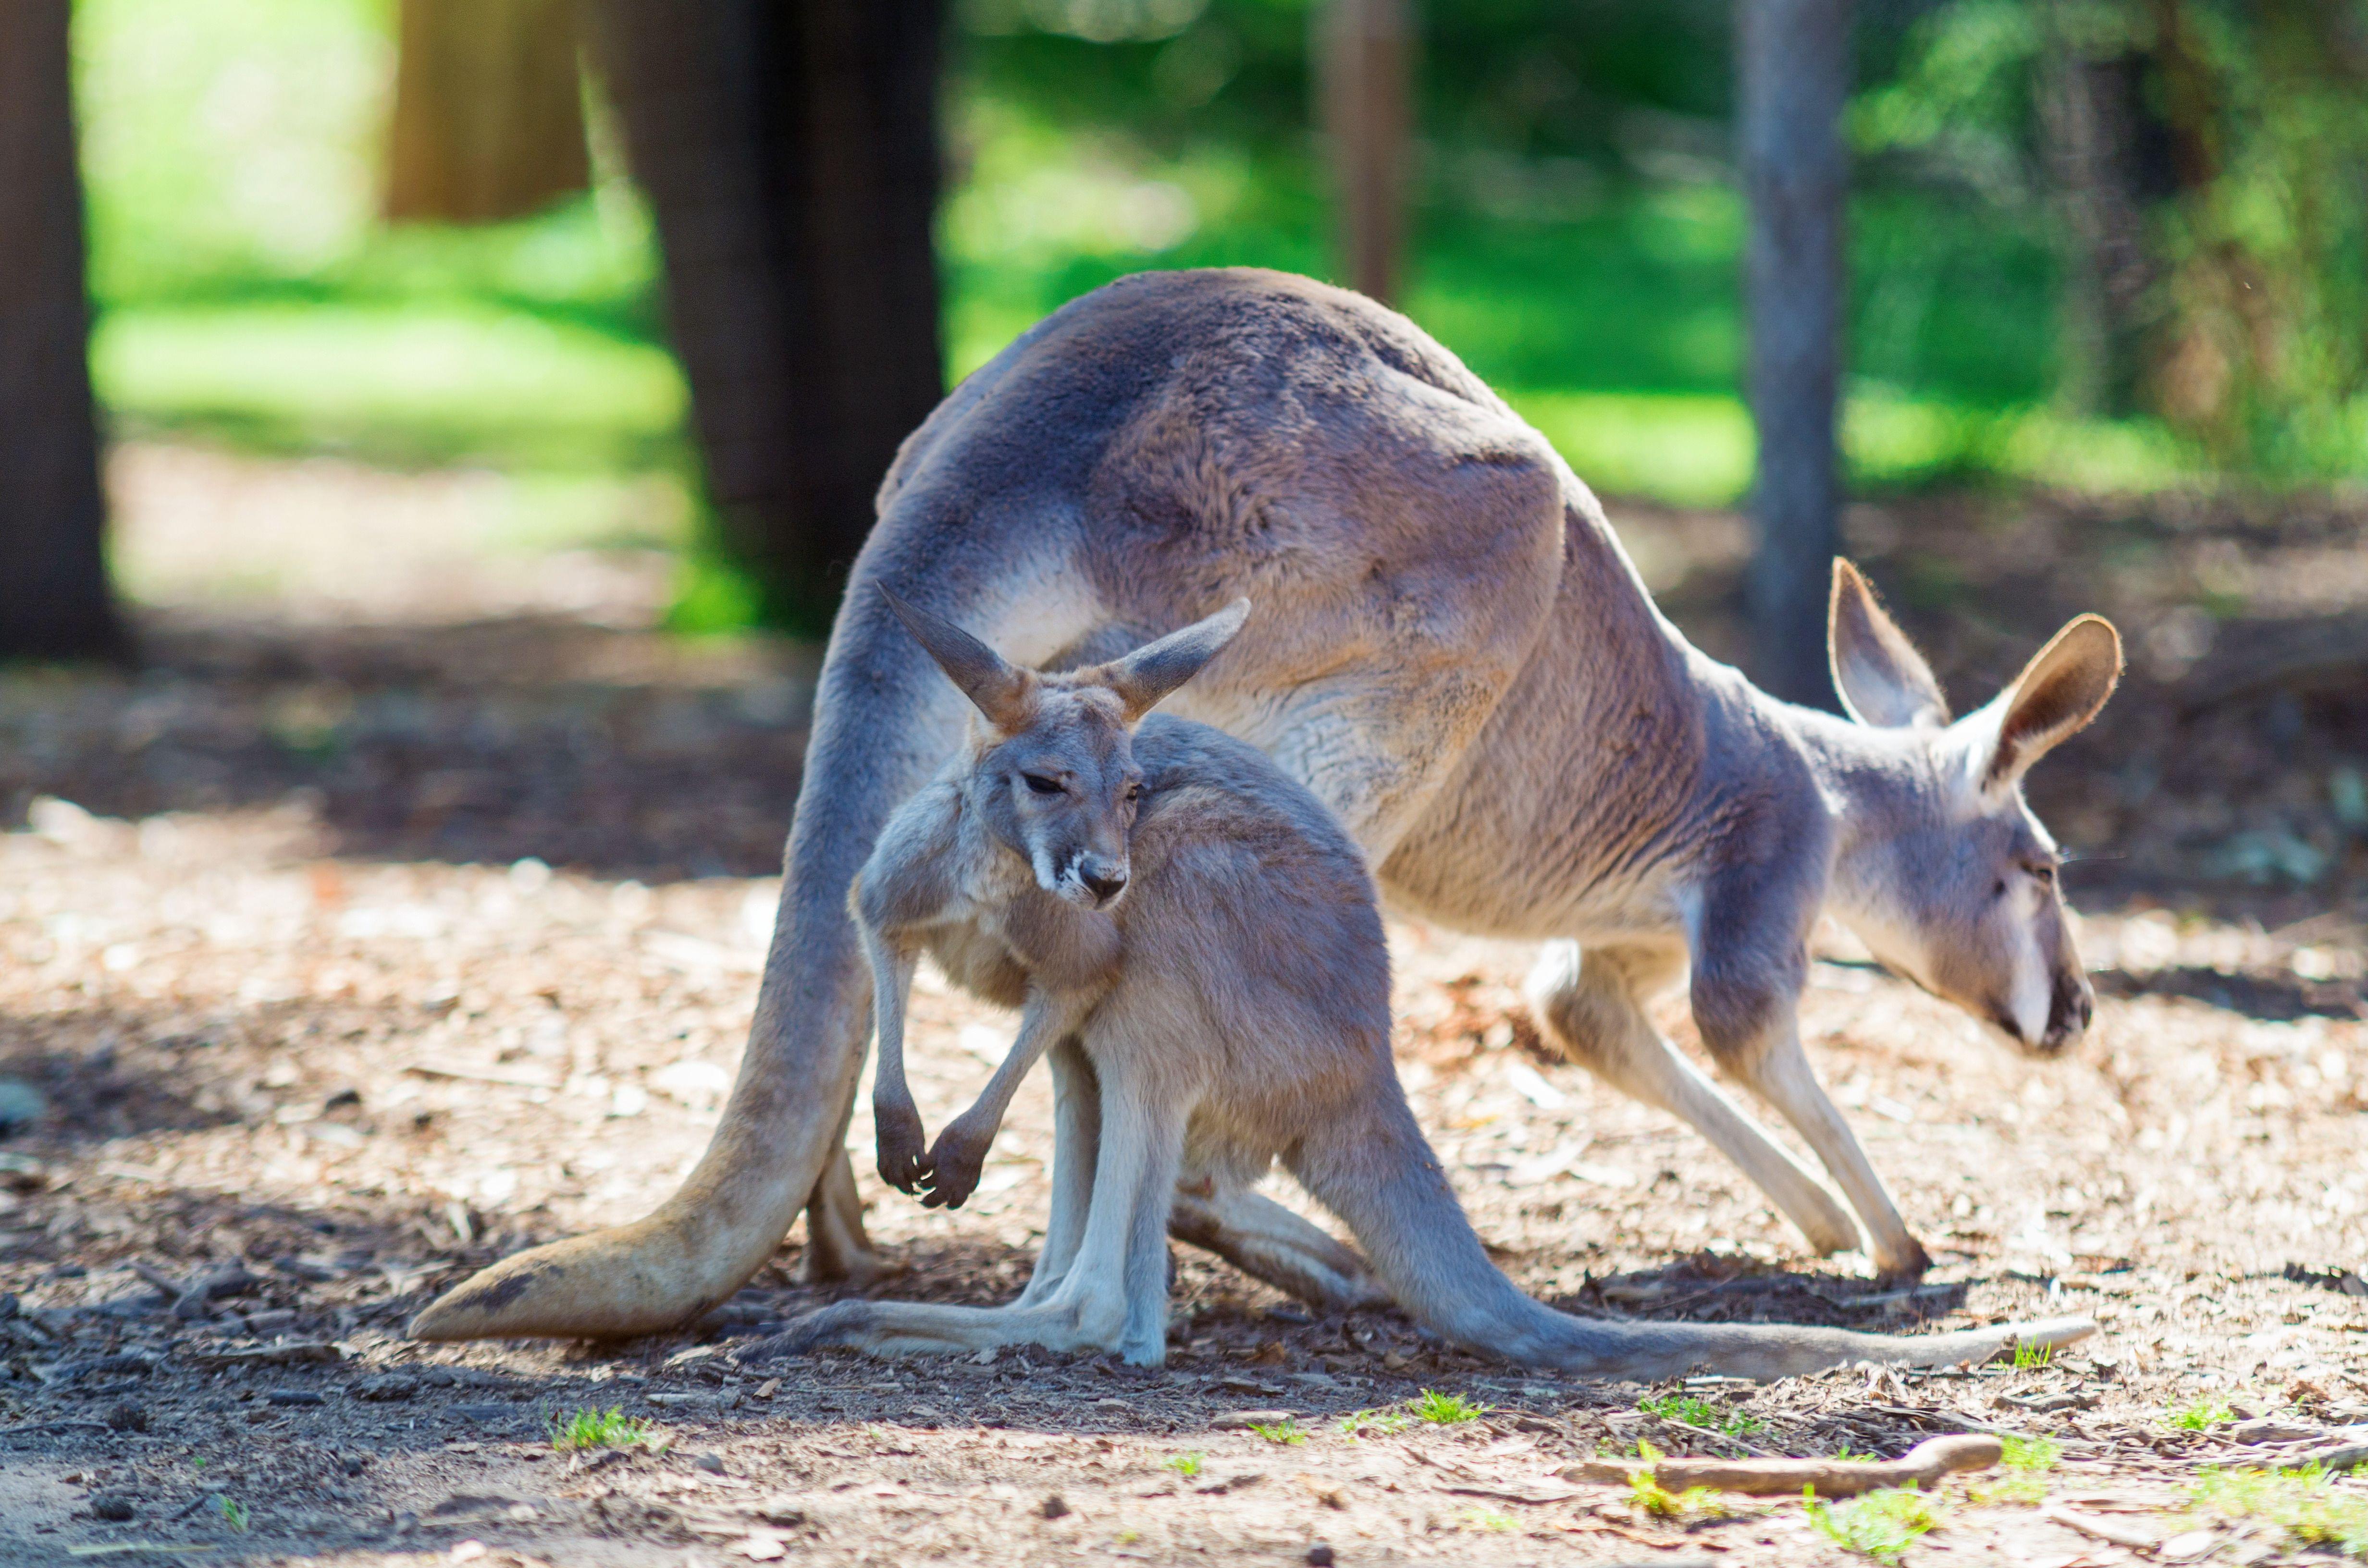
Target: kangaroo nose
point(1104, 885)
point(2069, 1018)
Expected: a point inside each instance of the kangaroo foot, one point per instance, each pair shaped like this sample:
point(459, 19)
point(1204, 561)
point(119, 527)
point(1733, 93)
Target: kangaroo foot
point(1901, 1264)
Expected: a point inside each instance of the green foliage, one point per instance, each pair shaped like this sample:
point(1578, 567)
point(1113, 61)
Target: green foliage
point(1444, 1409)
point(1646, 1494)
point(2027, 1462)
point(2034, 1454)
point(2308, 1505)
point(2198, 1414)
point(591, 1428)
point(2028, 1357)
point(234, 1513)
point(1694, 1412)
point(1285, 1431)
point(1880, 1525)
point(1377, 1423)
point(1492, 1520)
point(1187, 1464)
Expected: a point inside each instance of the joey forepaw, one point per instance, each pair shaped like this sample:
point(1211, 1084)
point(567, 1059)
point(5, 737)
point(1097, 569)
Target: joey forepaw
point(902, 1142)
point(955, 1161)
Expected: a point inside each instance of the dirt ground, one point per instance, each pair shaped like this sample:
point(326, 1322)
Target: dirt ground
point(366, 933)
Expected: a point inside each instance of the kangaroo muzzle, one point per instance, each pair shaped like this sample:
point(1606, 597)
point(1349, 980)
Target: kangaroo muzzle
point(2068, 1012)
point(1096, 882)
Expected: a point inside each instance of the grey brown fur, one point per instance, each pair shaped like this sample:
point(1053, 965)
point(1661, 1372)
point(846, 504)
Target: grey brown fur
point(1216, 996)
point(1453, 654)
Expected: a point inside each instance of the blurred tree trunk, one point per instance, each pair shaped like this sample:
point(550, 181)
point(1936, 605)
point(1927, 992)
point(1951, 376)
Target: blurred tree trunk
point(54, 595)
point(1794, 67)
point(791, 153)
point(1363, 59)
point(2087, 113)
point(488, 111)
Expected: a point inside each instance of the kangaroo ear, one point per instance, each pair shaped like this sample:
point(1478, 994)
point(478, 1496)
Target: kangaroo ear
point(1156, 669)
point(1884, 681)
point(1002, 691)
point(2056, 695)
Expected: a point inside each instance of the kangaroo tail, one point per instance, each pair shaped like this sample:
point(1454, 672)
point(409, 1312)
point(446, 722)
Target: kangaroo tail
point(1380, 1177)
point(885, 719)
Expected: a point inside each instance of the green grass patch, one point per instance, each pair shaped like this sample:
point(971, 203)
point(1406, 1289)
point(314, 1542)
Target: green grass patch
point(2309, 1504)
point(610, 1428)
point(1187, 1464)
point(1493, 1521)
point(2198, 1414)
point(2031, 1358)
point(1373, 1424)
point(1285, 1431)
point(2027, 1462)
point(1444, 1409)
point(1693, 1410)
point(1880, 1525)
point(234, 1513)
point(407, 384)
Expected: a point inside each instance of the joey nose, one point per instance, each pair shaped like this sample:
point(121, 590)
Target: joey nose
point(1105, 885)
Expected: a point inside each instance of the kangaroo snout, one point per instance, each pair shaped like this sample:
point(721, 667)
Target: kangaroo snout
point(1104, 880)
point(2068, 1012)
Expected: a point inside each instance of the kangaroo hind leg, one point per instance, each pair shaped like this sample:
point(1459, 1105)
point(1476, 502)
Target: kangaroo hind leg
point(1592, 1003)
point(1268, 1241)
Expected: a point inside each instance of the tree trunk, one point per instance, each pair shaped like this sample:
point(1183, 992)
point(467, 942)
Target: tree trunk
point(791, 153)
point(488, 111)
point(54, 595)
point(1794, 67)
point(2087, 104)
point(1364, 55)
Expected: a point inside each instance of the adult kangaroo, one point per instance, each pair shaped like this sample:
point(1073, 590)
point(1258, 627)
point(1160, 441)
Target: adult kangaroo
point(1452, 652)
point(1201, 938)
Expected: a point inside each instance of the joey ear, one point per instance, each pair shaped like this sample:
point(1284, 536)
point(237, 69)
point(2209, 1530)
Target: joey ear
point(2056, 695)
point(1002, 691)
point(1884, 681)
point(1156, 669)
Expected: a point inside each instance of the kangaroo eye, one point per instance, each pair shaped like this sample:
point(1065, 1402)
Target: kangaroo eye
point(1134, 791)
point(2046, 873)
point(1041, 785)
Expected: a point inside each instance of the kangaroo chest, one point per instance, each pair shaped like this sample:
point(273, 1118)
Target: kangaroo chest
point(1002, 932)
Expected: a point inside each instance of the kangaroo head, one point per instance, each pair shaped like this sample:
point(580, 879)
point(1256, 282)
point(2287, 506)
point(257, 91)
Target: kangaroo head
point(1053, 771)
point(1944, 872)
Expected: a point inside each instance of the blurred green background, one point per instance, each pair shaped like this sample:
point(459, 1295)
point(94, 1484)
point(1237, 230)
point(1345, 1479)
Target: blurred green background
point(1576, 238)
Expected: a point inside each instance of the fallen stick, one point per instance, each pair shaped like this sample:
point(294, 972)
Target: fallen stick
point(1923, 1465)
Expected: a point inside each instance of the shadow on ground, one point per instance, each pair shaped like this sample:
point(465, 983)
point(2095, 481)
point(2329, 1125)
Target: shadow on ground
point(617, 752)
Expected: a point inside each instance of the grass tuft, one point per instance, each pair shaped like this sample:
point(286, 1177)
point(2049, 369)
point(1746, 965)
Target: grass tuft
point(1187, 1465)
point(1691, 1411)
point(2031, 1358)
point(2198, 1414)
point(1490, 1519)
point(1376, 1423)
point(1445, 1409)
point(234, 1513)
point(610, 1428)
point(2306, 1503)
point(1880, 1525)
point(1286, 1431)
point(2027, 1462)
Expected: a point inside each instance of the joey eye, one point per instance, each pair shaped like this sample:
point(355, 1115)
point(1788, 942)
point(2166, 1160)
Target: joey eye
point(1039, 785)
point(1134, 791)
point(2046, 873)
